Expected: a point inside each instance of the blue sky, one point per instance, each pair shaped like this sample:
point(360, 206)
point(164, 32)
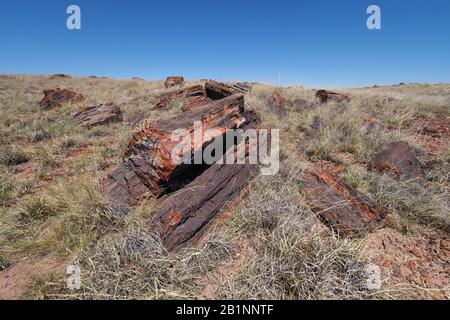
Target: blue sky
point(315, 43)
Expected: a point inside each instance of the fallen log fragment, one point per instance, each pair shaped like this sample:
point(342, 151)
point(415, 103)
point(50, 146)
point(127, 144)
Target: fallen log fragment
point(163, 102)
point(55, 98)
point(98, 115)
point(242, 87)
point(173, 81)
point(217, 90)
point(340, 206)
point(195, 102)
point(400, 159)
point(325, 96)
point(184, 216)
point(149, 152)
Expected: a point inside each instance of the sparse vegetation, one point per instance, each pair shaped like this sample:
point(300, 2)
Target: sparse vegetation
point(273, 246)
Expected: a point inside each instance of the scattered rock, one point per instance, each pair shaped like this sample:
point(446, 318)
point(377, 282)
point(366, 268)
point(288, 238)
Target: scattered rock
point(325, 96)
point(436, 128)
point(60, 76)
point(400, 159)
point(55, 98)
point(173, 81)
point(340, 206)
point(98, 115)
point(411, 264)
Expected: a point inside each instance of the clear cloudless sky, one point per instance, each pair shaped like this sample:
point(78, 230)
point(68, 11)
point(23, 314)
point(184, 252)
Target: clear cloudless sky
point(311, 42)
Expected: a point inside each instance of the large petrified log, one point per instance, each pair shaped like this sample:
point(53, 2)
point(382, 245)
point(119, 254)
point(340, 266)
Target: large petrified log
point(55, 98)
point(325, 95)
point(173, 81)
point(217, 90)
point(98, 115)
point(184, 216)
point(339, 205)
point(148, 156)
point(400, 159)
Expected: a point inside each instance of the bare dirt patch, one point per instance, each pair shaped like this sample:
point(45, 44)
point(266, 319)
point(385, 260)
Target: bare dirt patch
point(416, 265)
point(14, 281)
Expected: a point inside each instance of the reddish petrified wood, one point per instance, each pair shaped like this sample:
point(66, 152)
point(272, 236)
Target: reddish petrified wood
point(60, 76)
point(54, 98)
point(149, 152)
point(242, 87)
point(277, 103)
point(400, 159)
point(163, 102)
point(173, 81)
point(217, 90)
point(339, 205)
point(124, 187)
point(325, 95)
point(98, 115)
point(184, 216)
point(195, 102)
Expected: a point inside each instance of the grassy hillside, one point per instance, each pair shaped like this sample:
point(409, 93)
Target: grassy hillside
point(272, 245)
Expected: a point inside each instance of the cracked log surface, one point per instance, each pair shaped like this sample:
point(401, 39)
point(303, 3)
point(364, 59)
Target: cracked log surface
point(98, 115)
point(185, 215)
point(148, 165)
point(339, 205)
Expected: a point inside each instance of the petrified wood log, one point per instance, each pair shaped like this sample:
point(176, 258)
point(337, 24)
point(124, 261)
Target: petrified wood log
point(149, 152)
point(325, 95)
point(195, 102)
point(339, 205)
point(183, 216)
point(173, 81)
point(242, 87)
point(400, 159)
point(217, 90)
point(163, 102)
point(98, 115)
point(55, 98)
point(124, 187)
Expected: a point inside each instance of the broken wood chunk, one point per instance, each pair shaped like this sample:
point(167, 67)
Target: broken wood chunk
point(400, 159)
point(195, 102)
point(55, 98)
point(217, 90)
point(98, 115)
point(184, 216)
point(325, 96)
point(340, 206)
point(173, 81)
point(163, 101)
